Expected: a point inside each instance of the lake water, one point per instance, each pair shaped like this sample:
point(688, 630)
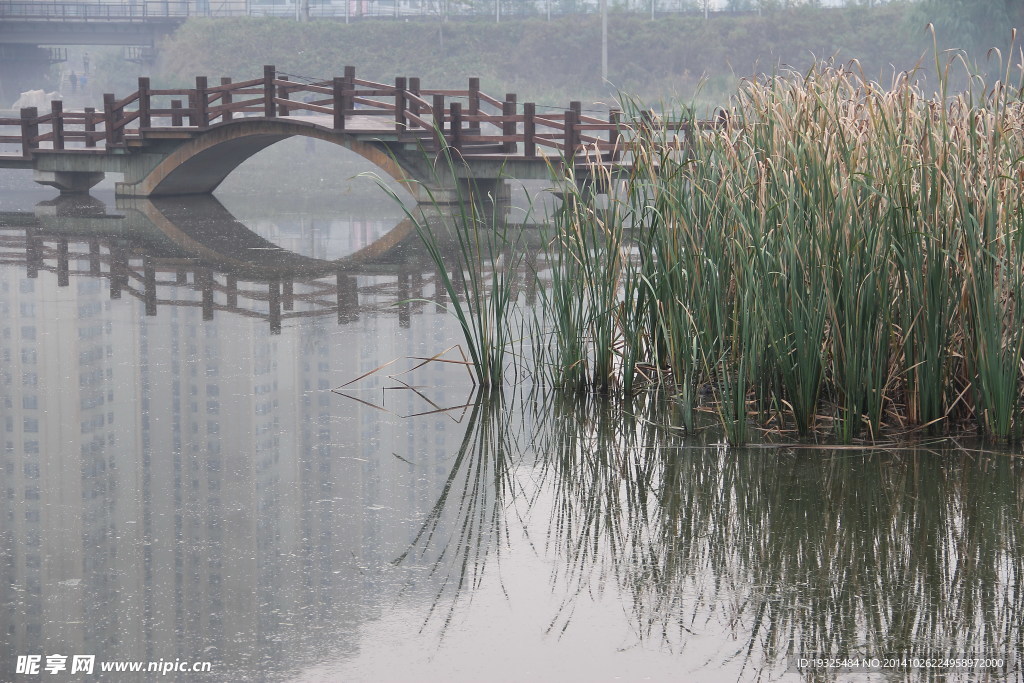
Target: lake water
point(181, 484)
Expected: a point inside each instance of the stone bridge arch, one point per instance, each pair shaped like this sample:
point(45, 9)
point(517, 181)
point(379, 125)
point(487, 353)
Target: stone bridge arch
point(200, 162)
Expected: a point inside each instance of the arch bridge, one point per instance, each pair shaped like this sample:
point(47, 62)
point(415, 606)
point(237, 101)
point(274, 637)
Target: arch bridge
point(186, 141)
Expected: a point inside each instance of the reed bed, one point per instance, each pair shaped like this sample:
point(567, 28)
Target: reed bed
point(836, 255)
point(479, 258)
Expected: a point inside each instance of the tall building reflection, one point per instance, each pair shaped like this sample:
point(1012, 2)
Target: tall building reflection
point(178, 482)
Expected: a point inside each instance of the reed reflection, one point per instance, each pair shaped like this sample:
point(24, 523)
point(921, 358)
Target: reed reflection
point(794, 551)
point(467, 523)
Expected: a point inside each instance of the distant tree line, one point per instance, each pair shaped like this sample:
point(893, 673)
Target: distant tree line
point(965, 22)
point(546, 61)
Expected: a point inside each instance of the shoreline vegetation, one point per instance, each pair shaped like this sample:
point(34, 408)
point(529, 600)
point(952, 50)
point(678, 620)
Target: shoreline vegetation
point(674, 57)
point(839, 257)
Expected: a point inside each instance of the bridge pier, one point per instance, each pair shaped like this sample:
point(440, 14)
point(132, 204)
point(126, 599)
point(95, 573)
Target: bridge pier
point(583, 189)
point(435, 193)
point(491, 191)
point(483, 191)
point(69, 182)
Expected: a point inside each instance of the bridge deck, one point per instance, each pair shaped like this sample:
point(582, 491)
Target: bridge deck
point(479, 129)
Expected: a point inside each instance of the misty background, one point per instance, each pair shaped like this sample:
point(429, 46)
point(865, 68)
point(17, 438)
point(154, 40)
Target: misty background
point(547, 51)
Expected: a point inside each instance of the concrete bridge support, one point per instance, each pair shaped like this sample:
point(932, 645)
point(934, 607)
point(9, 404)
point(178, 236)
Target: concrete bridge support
point(69, 182)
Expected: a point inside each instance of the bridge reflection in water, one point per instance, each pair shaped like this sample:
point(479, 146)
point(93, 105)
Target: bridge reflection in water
point(151, 250)
point(170, 496)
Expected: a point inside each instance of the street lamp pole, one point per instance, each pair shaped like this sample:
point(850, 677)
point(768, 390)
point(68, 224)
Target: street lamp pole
point(604, 41)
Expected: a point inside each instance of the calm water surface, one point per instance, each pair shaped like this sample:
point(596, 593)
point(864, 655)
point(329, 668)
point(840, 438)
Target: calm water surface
point(181, 483)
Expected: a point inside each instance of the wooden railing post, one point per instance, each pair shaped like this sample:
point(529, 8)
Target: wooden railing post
point(109, 118)
point(338, 95)
point(57, 123)
point(176, 118)
point(400, 103)
point(615, 135)
point(437, 111)
point(414, 88)
point(474, 96)
point(29, 130)
point(646, 122)
point(508, 127)
point(90, 126)
point(572, 137)
point(269, 107)
point(348, 91)
point(529, 130)
point(144, 105)
point(202, 117)
point(283, 93)
point(456, 125)
point(225, 100)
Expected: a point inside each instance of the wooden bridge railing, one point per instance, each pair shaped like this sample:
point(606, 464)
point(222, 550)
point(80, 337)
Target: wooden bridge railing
point(468, 121)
